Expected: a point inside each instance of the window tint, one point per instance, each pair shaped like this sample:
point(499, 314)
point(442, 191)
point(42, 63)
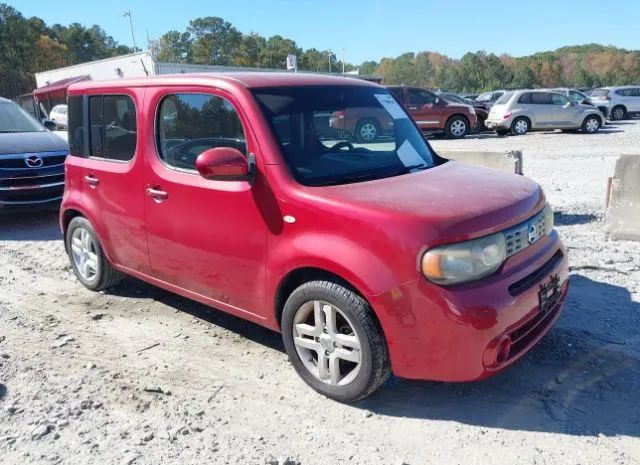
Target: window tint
point(558, 99)
point(635, 92)
point(112, 127)
point(397, 93)
point(62, 109)
point(524, 98)
point(189, 124)
point(576, 96)
point(421, 97)
point(540, 98)
point(76, 128)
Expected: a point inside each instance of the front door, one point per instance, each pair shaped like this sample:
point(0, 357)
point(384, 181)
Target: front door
point(565, 113)
point(206, 237)
point(421, 104)
point(541, 107)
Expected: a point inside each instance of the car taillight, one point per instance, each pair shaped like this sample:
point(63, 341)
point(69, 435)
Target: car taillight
point(506, 115)
point(339, 114)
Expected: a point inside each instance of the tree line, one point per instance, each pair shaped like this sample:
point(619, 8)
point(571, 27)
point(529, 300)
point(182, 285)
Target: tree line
point(28, 45)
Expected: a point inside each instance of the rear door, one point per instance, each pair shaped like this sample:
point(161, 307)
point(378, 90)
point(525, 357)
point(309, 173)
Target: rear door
point(422, 107)
point(111, 174)
point(541, 108)
point(633, 100)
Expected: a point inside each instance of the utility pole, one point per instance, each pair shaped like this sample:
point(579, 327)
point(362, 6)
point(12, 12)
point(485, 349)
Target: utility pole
point(344, 54)
point(133, 37)
point(329, 53)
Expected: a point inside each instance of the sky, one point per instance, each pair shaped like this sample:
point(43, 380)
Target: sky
point(370, 29)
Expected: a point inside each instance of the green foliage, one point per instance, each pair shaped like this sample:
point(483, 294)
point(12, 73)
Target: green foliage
point(28, 46)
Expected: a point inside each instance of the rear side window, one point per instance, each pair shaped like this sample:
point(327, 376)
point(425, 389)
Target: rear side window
point(541, 98)
point(189, 124)
point(112, 127)
point(505, 98)
point(75, 127)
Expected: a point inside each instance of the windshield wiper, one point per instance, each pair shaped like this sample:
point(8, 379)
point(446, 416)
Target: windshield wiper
point(370, 176)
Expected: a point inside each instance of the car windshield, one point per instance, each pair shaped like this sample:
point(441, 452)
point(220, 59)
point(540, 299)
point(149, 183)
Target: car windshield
point(343, 134)
point(15, 119)
point(485, 97)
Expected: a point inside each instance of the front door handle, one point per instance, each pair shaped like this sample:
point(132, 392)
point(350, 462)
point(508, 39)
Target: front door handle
point(157, 194)
point(92, 180)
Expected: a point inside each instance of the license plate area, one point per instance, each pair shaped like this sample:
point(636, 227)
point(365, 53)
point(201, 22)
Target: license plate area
point(549, 294)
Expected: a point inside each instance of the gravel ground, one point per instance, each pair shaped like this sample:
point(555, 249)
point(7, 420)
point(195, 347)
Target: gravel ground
point(141, 376)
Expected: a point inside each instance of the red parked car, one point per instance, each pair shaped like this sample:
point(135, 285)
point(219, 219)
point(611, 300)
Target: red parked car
point(433, 113)
point(369, 259)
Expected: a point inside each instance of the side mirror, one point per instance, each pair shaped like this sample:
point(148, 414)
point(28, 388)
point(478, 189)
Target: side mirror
point(568, 104)
point(50, 125)
point(223, 164)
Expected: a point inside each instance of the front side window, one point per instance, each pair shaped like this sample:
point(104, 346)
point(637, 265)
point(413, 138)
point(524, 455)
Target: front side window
point(189, 124)
point(558, 99)
point(577, 96)
point(112, 127)
point(14, 119)
point(343, 134)
point(421, 97)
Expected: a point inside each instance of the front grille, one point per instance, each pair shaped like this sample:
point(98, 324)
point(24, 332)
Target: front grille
point(17, 161)
point(25, 181)
point(25, 196)
point(525, 234)
point(531, 279)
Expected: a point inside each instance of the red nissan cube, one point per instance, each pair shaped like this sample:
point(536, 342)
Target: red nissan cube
point(370, 257)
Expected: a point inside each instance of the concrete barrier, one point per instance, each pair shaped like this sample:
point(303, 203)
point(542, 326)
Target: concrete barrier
point(510, 161)
point(623, 212)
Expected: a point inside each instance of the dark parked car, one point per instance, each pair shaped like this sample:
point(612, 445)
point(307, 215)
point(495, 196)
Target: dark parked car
point(489, 98)
point(31, 160)
point(482, 109)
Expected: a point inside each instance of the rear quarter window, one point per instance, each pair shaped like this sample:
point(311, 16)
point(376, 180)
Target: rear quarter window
point(76, 127)
point(113, 128)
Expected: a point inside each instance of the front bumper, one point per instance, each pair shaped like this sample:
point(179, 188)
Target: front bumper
point(456, 333)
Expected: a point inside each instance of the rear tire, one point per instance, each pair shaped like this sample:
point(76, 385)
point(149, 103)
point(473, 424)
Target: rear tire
point(367, 130)
point(520, 126)
point(351, 340)
point(618, 112)
point(89, 263)
point(591, 124)
point(457, 127)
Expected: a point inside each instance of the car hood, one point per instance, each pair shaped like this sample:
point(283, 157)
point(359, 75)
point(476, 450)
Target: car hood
point(461, 201)
point(24, 142)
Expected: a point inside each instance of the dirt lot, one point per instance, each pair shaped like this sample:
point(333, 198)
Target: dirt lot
point(142, 376)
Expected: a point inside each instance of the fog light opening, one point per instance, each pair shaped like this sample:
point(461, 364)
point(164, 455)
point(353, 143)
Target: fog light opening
point(503, 350)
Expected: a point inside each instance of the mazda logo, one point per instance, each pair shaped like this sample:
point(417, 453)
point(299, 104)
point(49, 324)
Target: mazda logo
point(33, 161)
point(532, 233)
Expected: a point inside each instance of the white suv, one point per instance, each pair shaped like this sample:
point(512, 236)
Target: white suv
point(623, 101)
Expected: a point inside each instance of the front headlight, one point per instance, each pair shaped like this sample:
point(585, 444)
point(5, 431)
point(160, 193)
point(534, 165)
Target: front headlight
point(464, 261)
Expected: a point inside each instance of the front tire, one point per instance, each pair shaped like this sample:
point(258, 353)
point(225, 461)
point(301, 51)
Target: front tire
point(591, 124)
point(89, 263)
point(457, 127)
point(618, 113)
point(334, 341)
point(520, 126)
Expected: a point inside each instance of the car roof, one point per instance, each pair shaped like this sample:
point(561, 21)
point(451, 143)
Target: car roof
point(6, 100)
point(250, 80)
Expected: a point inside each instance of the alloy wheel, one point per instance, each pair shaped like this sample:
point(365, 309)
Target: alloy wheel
point(84, 253)
point(368, 131)
point(458, 128)
point(592, 125)
point(521, 126)
point(618, 113)
point(326, 342)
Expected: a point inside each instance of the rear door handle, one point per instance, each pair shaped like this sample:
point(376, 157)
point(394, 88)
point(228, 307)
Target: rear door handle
point(92, 180)
point(157, 194)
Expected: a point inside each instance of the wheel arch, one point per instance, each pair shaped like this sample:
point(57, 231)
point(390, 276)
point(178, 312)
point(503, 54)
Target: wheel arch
point(449, 118)
point(298, 276)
